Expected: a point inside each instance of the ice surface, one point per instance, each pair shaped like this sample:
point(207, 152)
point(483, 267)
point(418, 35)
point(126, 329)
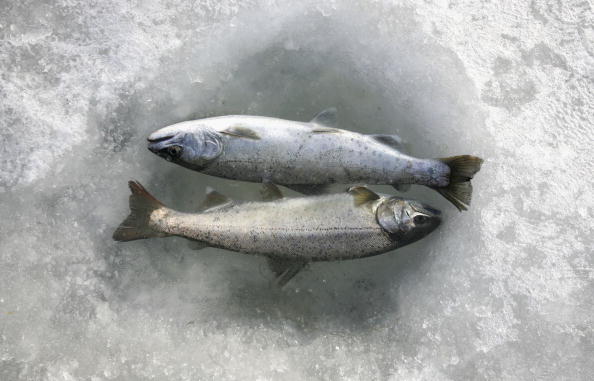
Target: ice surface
point(504, 291)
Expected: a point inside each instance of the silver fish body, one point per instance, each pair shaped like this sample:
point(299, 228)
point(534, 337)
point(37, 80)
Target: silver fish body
point(290, 153)
point(317, 228)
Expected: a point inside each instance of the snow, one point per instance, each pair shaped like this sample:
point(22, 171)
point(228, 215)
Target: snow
point(503, 291)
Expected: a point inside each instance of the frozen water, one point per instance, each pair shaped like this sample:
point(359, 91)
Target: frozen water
point(504, 291)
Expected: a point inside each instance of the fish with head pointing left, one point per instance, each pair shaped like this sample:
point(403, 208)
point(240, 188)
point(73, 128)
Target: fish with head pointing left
point(307, 156)
point(291, 232)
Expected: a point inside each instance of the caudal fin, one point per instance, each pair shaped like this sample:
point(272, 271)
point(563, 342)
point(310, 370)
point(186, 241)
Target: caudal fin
point(462, 169)
point(136, 226)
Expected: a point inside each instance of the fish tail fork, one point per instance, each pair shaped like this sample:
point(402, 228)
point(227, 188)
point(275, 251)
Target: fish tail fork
point(136, 225)
point(462, 170)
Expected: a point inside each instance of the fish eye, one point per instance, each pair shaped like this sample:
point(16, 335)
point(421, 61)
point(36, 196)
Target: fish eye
point(174, 151)
point(420, 219)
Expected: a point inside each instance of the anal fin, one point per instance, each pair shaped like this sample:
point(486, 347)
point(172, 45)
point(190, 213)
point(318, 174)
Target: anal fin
point(285, 269)
point(214, 200)
point(327, 117)
point(270, 192)
point(393, 141)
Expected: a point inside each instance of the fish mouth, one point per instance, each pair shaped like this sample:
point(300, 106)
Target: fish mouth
point(159, 139)
point(157, 144)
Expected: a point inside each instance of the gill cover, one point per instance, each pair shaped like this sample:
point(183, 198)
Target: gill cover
point(387, 218)
point(208, 145)
point(407, 220)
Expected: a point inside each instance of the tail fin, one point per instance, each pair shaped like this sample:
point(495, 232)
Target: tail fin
point(462, 169)
point(136, 226)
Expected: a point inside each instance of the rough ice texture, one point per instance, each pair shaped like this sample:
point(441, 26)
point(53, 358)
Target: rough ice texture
point(504, 291)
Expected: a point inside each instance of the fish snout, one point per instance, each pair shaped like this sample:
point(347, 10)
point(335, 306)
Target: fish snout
point(165, 145)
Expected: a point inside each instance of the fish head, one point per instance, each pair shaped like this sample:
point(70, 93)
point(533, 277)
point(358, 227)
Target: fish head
point(190, 144)
point(407, 220)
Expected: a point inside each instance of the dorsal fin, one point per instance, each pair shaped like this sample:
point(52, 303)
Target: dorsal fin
point(362, 194)
point(241, 132)
point(213, 199)
point(326, 117)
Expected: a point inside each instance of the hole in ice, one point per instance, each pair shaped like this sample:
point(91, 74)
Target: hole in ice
point(382, 79)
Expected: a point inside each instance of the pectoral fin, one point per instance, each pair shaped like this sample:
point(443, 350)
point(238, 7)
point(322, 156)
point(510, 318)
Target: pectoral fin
point(308, 189)
point(285, 269)
point(362, 195)
point(327, 117)
point(241, 132)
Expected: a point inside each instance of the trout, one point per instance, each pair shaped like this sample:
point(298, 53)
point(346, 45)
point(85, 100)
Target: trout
point(309, 156)
point(290, 232)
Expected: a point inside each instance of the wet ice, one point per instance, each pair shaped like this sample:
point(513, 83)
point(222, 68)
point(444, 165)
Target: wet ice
point(503, 291)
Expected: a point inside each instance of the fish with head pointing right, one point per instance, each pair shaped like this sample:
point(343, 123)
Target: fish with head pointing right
point(308, 156)
point(290, 232)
